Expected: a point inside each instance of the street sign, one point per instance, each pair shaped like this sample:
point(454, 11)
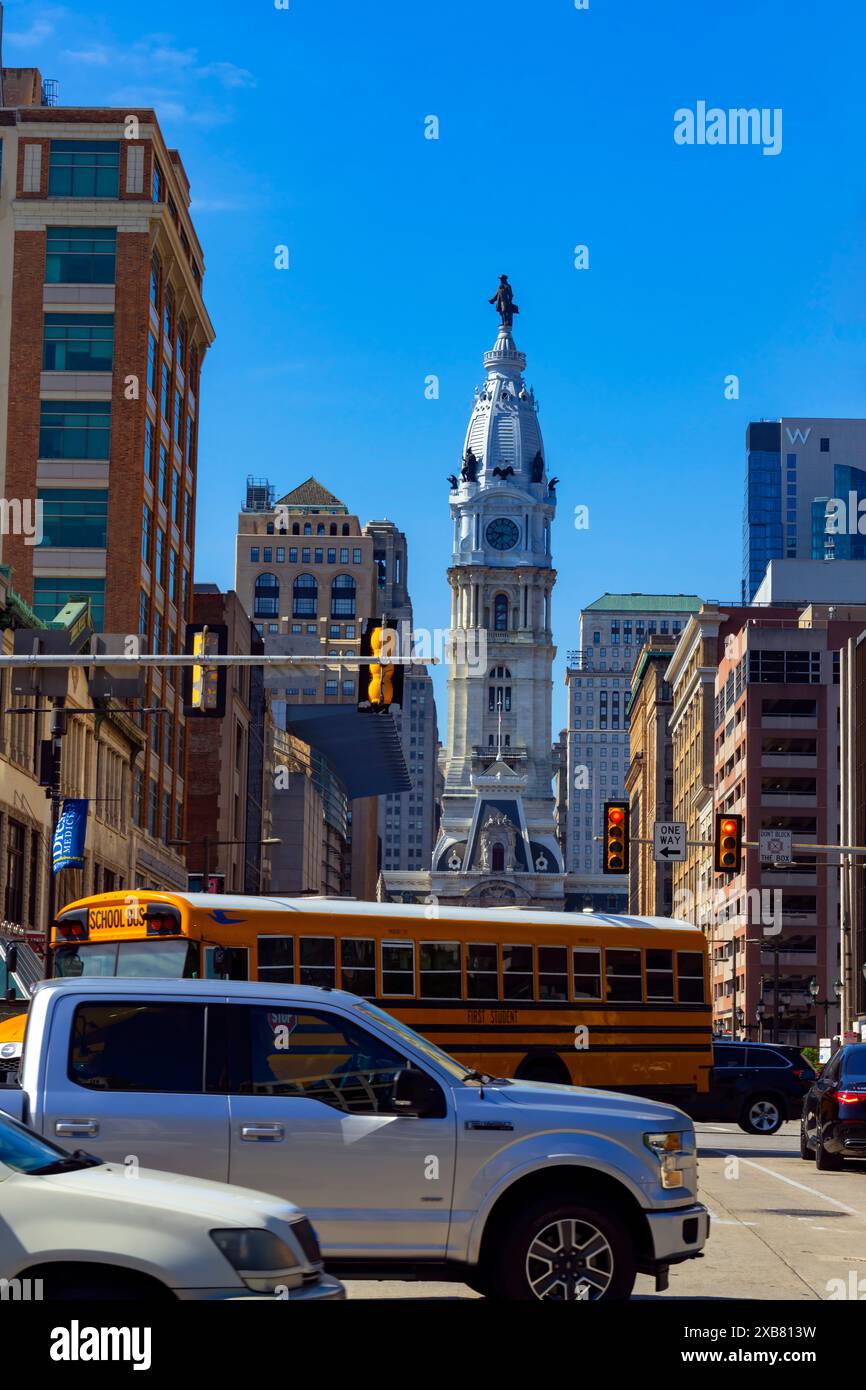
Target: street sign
point(669, 841)
point(775, 846)
point(825, 1050)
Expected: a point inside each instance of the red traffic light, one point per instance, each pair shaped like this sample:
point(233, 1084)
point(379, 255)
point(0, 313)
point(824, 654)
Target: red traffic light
point(728, 844)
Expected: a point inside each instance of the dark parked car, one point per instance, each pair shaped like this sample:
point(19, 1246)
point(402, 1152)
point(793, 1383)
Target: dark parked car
point(833, 1124)
point(759, 1085)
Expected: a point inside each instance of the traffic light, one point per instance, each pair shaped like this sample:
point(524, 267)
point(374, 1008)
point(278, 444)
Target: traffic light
point(728, 844)
point(380, 685)
point(614, 859)
point(204, 686)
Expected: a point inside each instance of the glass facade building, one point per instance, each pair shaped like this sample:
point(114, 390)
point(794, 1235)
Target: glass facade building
point(762, 509)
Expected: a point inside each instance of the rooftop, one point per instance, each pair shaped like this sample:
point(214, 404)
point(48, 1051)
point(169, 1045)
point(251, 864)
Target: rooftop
point(311, 494)
point(645, 603)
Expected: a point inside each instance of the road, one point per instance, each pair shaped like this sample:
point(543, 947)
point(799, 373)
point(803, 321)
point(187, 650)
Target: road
point(781, 1230)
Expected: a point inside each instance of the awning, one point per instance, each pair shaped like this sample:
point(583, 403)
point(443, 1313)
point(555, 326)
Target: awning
point(363, 749)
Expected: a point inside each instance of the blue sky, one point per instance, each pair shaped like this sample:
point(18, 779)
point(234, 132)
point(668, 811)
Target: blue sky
point(305, 127)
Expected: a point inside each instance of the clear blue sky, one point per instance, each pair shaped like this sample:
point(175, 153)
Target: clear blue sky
point(305, 127)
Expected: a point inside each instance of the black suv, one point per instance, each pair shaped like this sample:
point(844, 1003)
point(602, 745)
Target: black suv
point(833, 1125)
point(759, 1085)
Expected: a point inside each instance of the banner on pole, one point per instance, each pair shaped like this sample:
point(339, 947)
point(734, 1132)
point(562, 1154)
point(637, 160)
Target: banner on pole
point(67, 850)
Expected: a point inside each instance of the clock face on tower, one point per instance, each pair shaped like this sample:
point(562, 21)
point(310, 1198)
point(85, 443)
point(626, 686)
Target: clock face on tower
point(502, 533)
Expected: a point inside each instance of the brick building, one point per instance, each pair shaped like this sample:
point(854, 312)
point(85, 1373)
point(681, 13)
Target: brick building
point(649, 779)
point(103, 331)
point(229, 803)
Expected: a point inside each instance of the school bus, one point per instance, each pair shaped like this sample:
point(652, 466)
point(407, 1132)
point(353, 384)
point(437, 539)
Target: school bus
point(616, 1002)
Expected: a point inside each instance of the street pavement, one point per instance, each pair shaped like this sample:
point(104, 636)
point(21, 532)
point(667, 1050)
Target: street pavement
point(780, 1229)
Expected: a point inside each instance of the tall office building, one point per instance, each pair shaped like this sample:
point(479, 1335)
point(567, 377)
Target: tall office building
point(305, 572)
point(103, 330)
point(407, 820)
point(613, 631)
point(795, 467)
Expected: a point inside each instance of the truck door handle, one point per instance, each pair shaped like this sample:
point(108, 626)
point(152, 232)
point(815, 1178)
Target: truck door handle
point(70, 1129)
point(255, 1132)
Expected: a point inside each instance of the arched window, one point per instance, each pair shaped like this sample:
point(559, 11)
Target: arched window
point(500, 613)
point(308, 530)
point(155, 280)
point(320, 529)
point(181, 342)
point(305, 596)
point(296, 530)
point(333, 528)
point(267, 596)
point(343, 596)
point(497, 858)
point(345, 528)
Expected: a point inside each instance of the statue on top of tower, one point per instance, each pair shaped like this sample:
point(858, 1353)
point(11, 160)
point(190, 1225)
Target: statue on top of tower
point(504, 302)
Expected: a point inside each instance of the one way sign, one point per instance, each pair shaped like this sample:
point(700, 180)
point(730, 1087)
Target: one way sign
point(669, 841)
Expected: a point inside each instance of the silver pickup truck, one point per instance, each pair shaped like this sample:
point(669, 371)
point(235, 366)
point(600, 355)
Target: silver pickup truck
point(407, 1164)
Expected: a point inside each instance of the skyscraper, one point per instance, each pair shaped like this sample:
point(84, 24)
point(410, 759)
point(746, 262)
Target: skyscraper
point(497, 843)
point(794, 467)
point(103, 330)
point(613, 631)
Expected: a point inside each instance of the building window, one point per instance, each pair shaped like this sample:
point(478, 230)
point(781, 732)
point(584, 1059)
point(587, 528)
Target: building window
point(172, 576)
point(14, 897)
point(74, 517)
point(51, 593)
point(281, 555)
point(159, 557)
point(319, 554)
point(149, 447)
point(254, 554)
point(293, 555)
point(267, 596)
point(152, 365)
point(74, 429)
point(80, 255)
point(146, 517)
point(356, 556)
point(305, 591)
point(330, 686)
point(500, 613)
point(155, 280)
point(77, 342)
point(165, 393)
point(84, 169)
point(162, 485)
point(343, 594)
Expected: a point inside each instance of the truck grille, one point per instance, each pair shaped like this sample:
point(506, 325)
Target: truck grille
point(306, 1238)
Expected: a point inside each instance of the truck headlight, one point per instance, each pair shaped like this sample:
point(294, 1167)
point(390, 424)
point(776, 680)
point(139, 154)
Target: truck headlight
point(666, 1145)
point(261, 1259)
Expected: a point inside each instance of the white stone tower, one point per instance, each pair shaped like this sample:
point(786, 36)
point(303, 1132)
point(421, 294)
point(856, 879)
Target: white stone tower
point(497, 843)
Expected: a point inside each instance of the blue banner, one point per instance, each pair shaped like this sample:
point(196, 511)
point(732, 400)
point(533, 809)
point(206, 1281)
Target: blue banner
point(67, 850)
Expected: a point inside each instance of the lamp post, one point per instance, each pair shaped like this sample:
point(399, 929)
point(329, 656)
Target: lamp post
point(825, 1004)
point(207, 844)
point(760, 1010)
point(740, 1017)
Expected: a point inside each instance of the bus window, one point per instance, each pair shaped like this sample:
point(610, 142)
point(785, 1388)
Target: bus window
point(623, 975)
point(587, 972)
point(690, 977)
point(318, 960)
point(398, 967)
point(232, 964)
point(277, 959)
point(553, 972)
point(517, 972)
point(358, 966)
point(440, 969)
point(482, 971)
point(659, 974)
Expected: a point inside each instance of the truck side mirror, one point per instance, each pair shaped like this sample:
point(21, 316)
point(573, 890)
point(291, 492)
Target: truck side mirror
point(415, 1093)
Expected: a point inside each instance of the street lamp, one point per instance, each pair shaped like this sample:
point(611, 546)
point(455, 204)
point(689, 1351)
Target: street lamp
point(207, 844)
point(760, 1010)
point(740, 1017)
point(825, 1003)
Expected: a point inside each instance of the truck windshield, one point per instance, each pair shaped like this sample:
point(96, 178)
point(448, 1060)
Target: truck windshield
point(414, 1039)
point(153, 959)
point(23, 1151)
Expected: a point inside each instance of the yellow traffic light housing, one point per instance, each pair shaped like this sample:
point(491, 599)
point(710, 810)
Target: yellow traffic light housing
point(614, 858)
point(728, 844)
point(380, 683)
point(204, 685)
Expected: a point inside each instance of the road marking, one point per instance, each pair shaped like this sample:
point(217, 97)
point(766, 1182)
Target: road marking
point(813, 1191)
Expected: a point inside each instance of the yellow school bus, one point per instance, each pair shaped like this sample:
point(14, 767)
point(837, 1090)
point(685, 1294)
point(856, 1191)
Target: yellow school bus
point(610, 1001)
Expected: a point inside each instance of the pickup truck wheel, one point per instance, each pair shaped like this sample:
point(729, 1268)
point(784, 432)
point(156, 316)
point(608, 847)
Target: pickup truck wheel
point(805, 1152)
point(761, 1115)
point(561, 1249)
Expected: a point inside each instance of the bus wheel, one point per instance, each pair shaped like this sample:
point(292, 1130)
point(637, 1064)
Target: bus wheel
point(542, 1070)
point(562, 1249)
